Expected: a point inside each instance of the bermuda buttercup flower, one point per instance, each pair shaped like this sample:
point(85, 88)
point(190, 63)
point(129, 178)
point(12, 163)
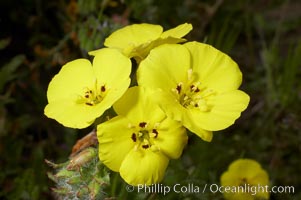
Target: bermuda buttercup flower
point(196, 85)
point(245, 180)
point(135, 41)
point(81, 92)
point(139, 142)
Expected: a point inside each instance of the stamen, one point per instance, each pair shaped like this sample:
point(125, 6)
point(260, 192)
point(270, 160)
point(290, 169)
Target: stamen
point(156, 125)
point(144, 137)
point(131, 126)
point(179, 88)
point(134, 137)
point(155, 132)
point(143, 124)
point(92, 96)
point(189, 74)
point(145, 141)
point(103, 88)
point(174, 90)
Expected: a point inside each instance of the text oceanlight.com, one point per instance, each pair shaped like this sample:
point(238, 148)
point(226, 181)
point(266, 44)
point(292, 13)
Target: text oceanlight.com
point(213, 188)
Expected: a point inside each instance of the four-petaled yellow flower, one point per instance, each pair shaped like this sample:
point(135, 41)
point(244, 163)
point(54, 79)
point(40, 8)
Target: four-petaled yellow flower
point(139, 142)
point(196, 85)
point(80, 92)
point(136, 41)
point(245, 180)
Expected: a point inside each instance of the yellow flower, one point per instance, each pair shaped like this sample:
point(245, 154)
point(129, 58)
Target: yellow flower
point(139, 142)
point(136, 41)
point(81, 92)
point(196, 84)
point(245, 180)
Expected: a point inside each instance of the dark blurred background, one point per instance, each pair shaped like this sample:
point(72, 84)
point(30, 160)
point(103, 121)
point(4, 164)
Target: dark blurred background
point(263, 36)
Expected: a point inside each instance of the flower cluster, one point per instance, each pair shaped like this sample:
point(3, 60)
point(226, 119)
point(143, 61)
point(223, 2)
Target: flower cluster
point(188, 86)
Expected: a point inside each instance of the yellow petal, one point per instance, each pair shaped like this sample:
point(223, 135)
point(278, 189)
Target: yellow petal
point(165, 67)
point(141, 52)
point(178, 31)
point(70, 114)
point(226, 108)
point(245, 168)
point(174, 110)
point(115, 142)
point(171, 139)
point(111, 68)
point(133, 35)
point(138, 106)
point(143, 167)
point(194, 127)
point(71, 80)
point(169, 104)
point(94, 52)
point(215, 69)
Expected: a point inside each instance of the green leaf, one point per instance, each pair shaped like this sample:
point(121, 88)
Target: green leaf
point(8, 71)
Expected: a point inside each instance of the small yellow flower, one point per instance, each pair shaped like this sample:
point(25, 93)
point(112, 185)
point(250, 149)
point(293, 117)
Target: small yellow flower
point(81, 92)
point(196, 85)
point(245, 180)
point(136, 41)
point(139, 142)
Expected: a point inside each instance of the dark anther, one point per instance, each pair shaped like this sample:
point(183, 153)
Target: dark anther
point(89, 104)
point(134, 137)
point(103, 88)
point(87, 95)
point(155, 132)
point(194, 89)
point(196, 105)
point(90, 91)
point(145, 146)
point(179, 88)
point(142, 124)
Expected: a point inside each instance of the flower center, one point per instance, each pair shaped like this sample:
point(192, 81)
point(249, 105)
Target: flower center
point(243, 181)
point(193, 95)
point(144, 136)
point(92, 96)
